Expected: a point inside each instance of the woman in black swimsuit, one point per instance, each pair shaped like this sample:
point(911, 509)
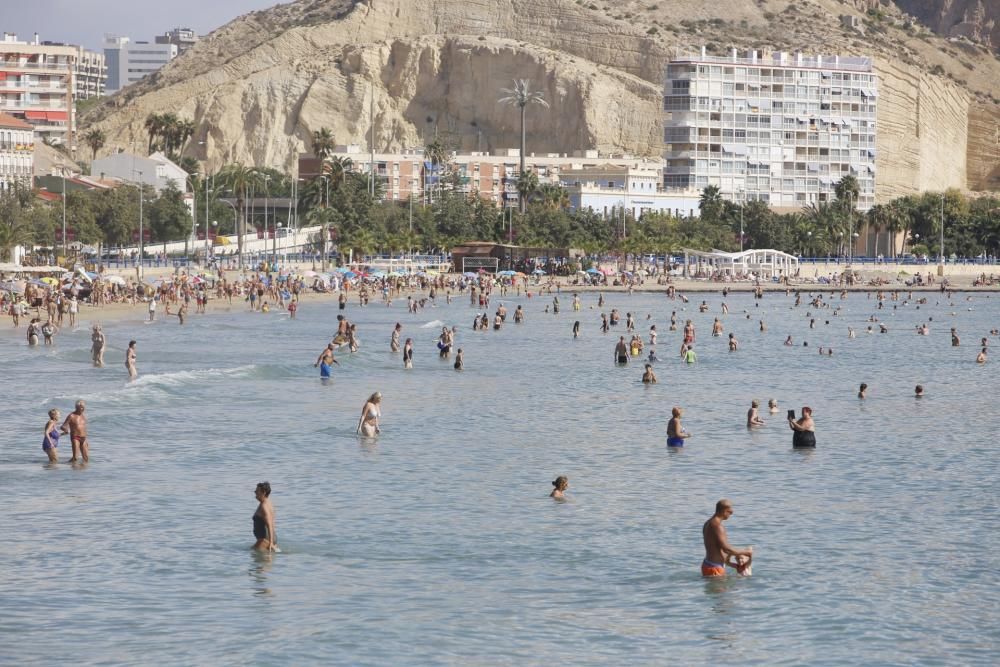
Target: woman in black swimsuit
point(263, 520)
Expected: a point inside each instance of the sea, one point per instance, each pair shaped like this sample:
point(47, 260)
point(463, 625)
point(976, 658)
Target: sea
point(437, 542)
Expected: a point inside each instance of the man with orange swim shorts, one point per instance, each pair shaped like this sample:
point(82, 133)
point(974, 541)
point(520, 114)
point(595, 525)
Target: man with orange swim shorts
point(717, 547)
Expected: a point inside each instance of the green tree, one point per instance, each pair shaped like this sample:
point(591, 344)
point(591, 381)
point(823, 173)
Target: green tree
point(711, 204)
point(240, 179)
point(527, 186)
point(95, 139)
point(154, 127)
point(169, 217)
point(322, 143)
point(521, 96)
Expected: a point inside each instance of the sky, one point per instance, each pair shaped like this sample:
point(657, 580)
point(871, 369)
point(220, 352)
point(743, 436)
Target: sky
point(85, 21)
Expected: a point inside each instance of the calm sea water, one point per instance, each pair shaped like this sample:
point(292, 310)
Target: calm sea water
point(437, 543)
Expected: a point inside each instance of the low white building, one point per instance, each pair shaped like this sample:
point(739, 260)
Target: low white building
point(155, 170)
point(609, 188)
point(17, 152)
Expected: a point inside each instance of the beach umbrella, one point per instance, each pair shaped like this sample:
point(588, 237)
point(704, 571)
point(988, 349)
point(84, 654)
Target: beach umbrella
point(470, 274)
point(309, 273)
point(342, 269)
point(350, 274)
point(538, 272)
point(593, 271)
point(378, 274)
point(608, 272)
point(505, 273)
point(51, 282)
point(115, 280)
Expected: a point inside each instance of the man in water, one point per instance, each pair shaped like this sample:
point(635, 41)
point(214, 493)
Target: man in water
point(649, 377)
point(76, 426)
point(324, 361)
point(717, 547)
point(621, 351)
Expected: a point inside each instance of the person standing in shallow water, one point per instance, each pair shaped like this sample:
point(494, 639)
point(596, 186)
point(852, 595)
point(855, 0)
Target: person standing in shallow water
point(718, 551)
point(76, 426)
point(263, 520)
point(97, 343)
point(804, 435)
point(50, 436)
point(368, 424)
point(408, 353)
point(130, 360)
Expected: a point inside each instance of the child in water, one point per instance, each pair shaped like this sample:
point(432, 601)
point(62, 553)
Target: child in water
point(459, 360)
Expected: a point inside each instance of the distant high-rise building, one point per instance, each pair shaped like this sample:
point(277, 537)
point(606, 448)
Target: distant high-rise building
point(183, 38)
point(37, 85)
point(130, 61)
point(781, 129)
point(91, 74)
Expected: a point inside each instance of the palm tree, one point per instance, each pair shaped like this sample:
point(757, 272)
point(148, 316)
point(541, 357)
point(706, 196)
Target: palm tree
point(240, 178)
point(154, 126)
point(322, 143)
point(554, 197)
point(527, 186)
point(95, 139)
point(337, 169)
point(710, 203)
point(521, 96)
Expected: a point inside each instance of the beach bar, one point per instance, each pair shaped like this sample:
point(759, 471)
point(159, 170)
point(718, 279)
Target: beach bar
point(764, 264)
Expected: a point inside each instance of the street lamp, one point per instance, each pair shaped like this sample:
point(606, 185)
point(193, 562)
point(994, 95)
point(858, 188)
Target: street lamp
point(741, 217)
point(65, 254)
point(274, 242)
point(941, 255)
point(141, 249)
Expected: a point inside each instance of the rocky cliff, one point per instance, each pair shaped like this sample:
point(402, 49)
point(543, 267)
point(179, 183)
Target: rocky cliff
point(978, 20)
point(259, 86)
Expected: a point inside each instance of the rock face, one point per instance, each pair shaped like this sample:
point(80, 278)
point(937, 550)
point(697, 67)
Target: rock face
point(258, 87)
point(979, 20)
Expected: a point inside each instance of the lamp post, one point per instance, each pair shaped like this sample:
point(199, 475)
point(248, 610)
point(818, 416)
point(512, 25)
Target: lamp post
point(326, 221)
point(742, 192)
point(215, 228)
point(274, 242)
point(206, 214)
point(941, 253)
point(141, 249)
point(64, 211)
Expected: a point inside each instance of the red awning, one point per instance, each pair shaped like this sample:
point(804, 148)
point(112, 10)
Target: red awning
point(57, 115)
point(3, 76)
point(35, 115)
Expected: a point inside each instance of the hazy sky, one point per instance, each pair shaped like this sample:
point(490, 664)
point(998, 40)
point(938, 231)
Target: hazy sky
point(85, 21)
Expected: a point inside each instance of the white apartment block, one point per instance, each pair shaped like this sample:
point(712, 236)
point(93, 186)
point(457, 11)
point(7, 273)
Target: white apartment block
point(781, 128)
point(36, 86)
point(130, 61)
point(611, 189)
point(17, 157)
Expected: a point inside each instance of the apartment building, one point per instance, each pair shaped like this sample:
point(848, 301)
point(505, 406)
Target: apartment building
point(780, 128)
point(493, 177)
point(36, 86)
point(17, 146)
point(130, 61)
point(91, 72)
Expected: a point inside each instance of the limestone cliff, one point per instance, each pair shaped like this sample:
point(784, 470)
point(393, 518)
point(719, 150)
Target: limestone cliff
point(979, 20)
point(259, 86)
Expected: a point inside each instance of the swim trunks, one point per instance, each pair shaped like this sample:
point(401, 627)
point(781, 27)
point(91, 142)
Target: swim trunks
point(622, 359)
point(710, 569)
point(675, 442)
point(324, 370)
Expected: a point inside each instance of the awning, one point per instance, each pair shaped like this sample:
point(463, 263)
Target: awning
point(753, 103)
point(812, 167)
point(57, 115)
point(35, 115)
point(803, 119)
point(3, 76)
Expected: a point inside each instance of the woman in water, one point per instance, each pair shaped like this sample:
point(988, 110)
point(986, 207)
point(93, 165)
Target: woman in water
point(263, 520)
point(408, 353)
point(368, 424)
point(805, 434)
point(561, 483)
point(772, 406)
point(981, 357)
point(97, 342)
point(676, 435)
point(130, 360)
point(50, 436)
point(394, 343)
point(576, 329)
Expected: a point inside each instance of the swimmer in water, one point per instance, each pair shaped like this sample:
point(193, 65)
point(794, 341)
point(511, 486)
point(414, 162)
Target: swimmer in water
point(733, 343)
point(772, 406)
point(676, 435)
point(918, 391)
point(561, 483)
point(863, 391)
point(408, 353)
point(97, 345)
point(368, 425)
point(263, 520)
point(981, 357)
point(788, 341)
point(394, 341)
point(652, 358)
point(753, 418)
point(649, 377)
point(718, 551)
point(804, 429)
point(459, 360)
point(576, 329)
point(621, 352)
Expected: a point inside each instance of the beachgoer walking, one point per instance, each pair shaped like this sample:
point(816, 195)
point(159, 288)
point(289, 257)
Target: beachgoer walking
point(97, 343)
point(368, 425)
point(76, 426)
point(50, 436)
point(130, 360)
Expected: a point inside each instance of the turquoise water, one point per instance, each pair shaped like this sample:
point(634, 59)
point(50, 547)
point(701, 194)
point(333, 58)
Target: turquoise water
point(437, 543)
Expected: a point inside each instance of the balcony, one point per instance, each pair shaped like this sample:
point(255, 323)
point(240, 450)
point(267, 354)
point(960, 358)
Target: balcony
point(7, 65)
